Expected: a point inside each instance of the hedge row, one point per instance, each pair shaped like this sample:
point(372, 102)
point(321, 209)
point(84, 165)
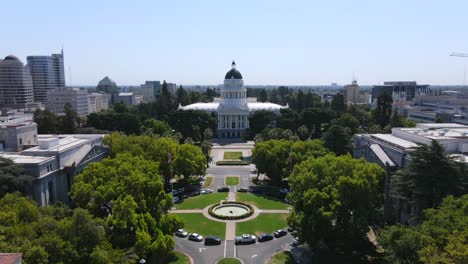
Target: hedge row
point(225, 217)
point(232, 162)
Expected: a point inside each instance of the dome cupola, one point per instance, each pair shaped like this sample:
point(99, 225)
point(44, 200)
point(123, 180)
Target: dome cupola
point(233, 73)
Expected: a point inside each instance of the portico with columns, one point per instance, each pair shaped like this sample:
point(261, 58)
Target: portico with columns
point(233, 108)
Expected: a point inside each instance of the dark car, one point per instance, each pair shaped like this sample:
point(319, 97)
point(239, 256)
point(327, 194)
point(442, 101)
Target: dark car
point(279, 233)
point(245, 239)
point(195, 193)
point(243, 190)
point(212, 240)
point(265, 237)
point(290, 228)
point(223, 189)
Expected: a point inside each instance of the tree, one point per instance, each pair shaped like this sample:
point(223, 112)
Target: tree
point(13, 178)
point(338, 103)
point(47, 122)
point(189, 160)
point(128, 193)
point(430, 176)
point(207, 134)
point(276, 158)
point(156, 127)
point(383, 111)
point(442, 237)
point(303, 132)
point(334, 200)
point(261, 120)
point(338, 139)
point(263, 97)
point(396, 120)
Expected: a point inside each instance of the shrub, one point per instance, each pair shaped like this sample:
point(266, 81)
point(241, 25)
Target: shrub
point(232, 163)
point(226, 217)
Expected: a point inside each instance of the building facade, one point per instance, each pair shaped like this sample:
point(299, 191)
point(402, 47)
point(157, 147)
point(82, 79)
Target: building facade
point(400, 91)
point(351, 93)
point(233, 108)
point(108, 86)
point(393, 151)
point(16, 89)
point(97, 102)
point(47, 74)
point(15, 135)
point(150, 91)
point(55, 162)
point(58, 98)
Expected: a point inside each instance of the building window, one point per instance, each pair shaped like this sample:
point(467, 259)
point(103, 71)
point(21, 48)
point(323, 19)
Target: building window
point(21, 141)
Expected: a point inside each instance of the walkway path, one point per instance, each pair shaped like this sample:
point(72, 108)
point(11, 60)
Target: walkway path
point(188, 211)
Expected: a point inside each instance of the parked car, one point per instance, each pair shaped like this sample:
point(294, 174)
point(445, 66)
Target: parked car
point(296, 242)
point(181, 233)
point(206, 191)
point(265, 237)
point(212, 240)
point(177, 200)
point(245, 239)
point(243, 190)
point(290, 228)
point(184, 196)
point(285, 191)
point(195, 193)
point(279, 233)
point(195, 237)
point(223, 189)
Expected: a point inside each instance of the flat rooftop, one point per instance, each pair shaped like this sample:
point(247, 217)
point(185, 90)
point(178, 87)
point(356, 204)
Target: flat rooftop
point(391, 139)
point(25, 159)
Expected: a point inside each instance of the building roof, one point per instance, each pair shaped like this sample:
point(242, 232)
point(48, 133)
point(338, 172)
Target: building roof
point(383, 157)
point(125, 94)
point(402, 143)
point(233, 73)
point(106, 81)
point(25, 159)
point(253, 107)
point(10, 258)
point(11, 57)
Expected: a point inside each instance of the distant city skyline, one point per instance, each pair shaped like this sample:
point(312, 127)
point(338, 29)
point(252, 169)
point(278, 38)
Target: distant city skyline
point(272, 42)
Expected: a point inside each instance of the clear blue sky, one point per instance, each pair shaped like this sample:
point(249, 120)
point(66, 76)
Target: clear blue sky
point(273, 42)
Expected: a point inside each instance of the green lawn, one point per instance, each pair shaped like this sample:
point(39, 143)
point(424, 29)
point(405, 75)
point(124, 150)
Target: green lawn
point(232, 180)
point(264, 223)
point(232, 155)
point(284, 257)
point(261, 202)
point(201, 201)
point(179, 258)
point(229, 261)
point(208, 182)
point(197, 223)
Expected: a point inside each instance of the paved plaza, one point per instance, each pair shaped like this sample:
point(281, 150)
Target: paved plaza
point(255, 253)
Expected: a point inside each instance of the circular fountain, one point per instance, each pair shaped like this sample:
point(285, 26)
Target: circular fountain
point(231, 210)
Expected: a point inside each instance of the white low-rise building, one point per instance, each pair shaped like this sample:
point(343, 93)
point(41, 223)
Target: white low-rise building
point(58, 98)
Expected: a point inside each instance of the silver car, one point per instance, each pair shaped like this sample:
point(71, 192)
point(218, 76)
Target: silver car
point(195, 237)
point(181, 233)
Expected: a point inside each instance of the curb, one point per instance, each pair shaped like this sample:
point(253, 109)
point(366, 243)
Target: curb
point(189, 257)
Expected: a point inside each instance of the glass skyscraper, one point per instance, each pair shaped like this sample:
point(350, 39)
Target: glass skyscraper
point(47, 74)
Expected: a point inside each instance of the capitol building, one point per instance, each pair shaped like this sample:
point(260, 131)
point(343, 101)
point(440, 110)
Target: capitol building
point(233, 107)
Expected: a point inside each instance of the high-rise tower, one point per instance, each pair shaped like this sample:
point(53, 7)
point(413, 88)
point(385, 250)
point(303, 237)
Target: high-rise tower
point(47, 74)
point(16, 89)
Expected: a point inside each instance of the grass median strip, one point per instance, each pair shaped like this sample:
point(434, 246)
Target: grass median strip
point(197, 223)
point(229, 261)
point(208, 181)
point(261, 202)
point(201, 201)
point(264, 223)
point(230, 155)
point(232, 180)
point(284, 257)
point(179, 258)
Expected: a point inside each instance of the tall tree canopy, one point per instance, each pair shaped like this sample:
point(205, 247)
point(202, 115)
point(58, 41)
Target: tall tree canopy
point(276, 158)
point(128, 193)
point(383, 111)
point(189, 160)
point(442, 237)
point(334, 200)
point(430, 177)
point(13, 178)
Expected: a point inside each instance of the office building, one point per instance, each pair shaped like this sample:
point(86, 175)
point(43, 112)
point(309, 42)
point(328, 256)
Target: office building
point(55, 162)
point(58, 98)
point(172, 88)
point(393, 151)
point(150, 91)
point(16, 90)
point(98, 102)
point(17, 134)
point(126, 98)
point(47, 74)
point(351, 93)
point(107, 85)
point(400, 91)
